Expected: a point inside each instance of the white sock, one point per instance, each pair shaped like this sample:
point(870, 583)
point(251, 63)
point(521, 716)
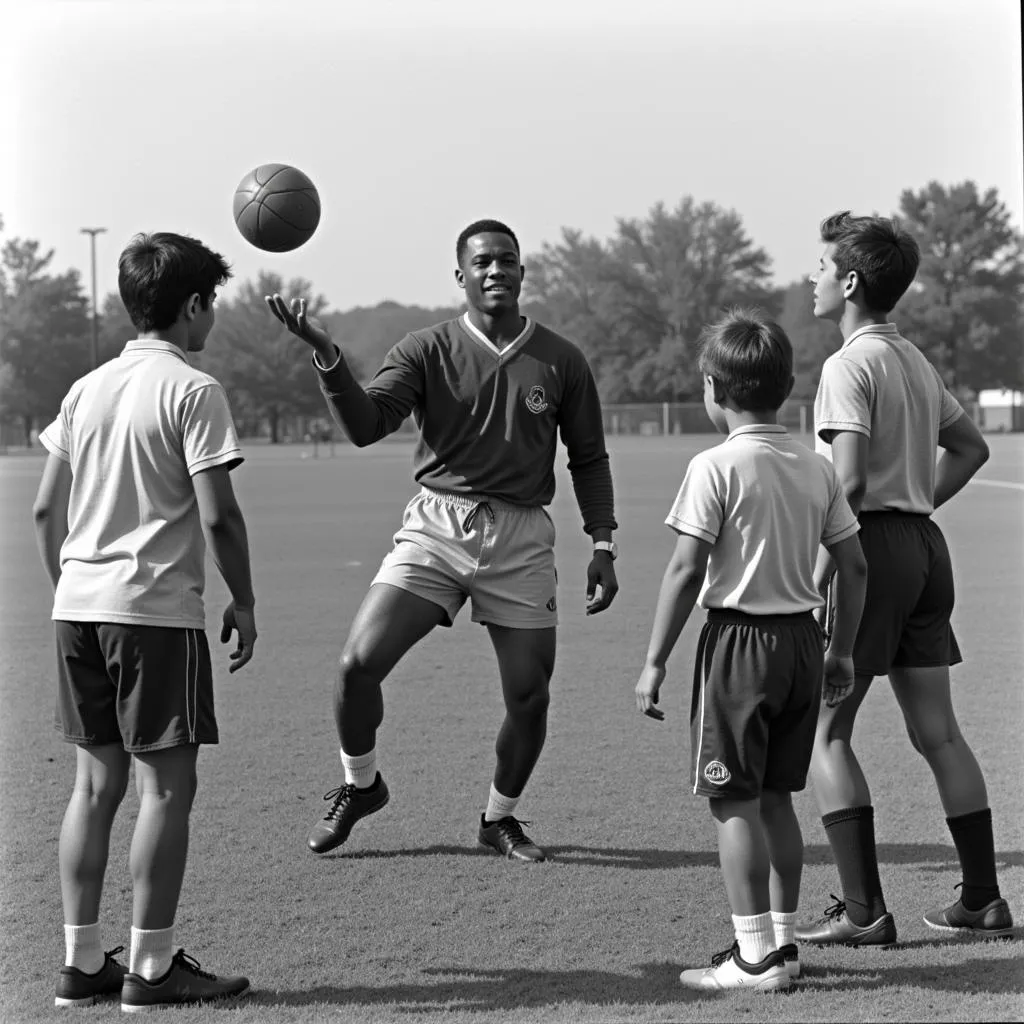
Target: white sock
point(499, 806)
point(785, 928)
point(152, 952)
point(360, 769)
point(83, 949)
point(756, 936)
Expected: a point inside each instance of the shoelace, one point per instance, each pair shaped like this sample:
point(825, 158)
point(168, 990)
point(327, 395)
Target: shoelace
point(837, 910)
point(471, 515)
point(111, 953)
point(720, 958)
point(511, 829)
point(341, 797)
point(187, 963)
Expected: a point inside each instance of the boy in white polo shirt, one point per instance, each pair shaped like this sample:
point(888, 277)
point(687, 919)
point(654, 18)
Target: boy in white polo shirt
point(881, 413)
point(138, 471)
point(750, 516)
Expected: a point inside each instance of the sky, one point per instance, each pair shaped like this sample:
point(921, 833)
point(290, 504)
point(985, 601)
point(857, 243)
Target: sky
point(415, 117)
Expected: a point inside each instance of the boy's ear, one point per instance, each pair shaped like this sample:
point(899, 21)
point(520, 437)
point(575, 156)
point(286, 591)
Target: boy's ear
point(717, 391)
point(851, 284)
point(789, 387)
point(191, 306)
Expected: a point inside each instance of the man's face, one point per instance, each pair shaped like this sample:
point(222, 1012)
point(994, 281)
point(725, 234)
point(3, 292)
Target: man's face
point(829, 290)
point(491, 273)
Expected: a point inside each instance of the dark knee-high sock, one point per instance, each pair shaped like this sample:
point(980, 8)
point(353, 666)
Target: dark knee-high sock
point(976, 848)
point(851, 834)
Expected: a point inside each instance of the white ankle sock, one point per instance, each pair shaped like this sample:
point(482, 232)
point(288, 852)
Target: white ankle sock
point(82, 946)
point(785, 928)
point(499, 806)
point(152, 952)
point(360, 769)
point(756, 936)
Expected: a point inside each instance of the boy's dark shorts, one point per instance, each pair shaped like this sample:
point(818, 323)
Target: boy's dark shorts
point(142, 687)
point(909, 598)
point(756, 695)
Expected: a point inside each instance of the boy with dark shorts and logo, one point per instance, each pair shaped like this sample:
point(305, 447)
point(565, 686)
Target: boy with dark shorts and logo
point(491, 393)
point(881, 412)
point(750, 517)
point(137, 472)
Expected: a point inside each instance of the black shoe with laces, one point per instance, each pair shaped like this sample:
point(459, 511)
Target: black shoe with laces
point(507, 837)
point(835, 928)
point(185, 983)
point(348, 805)
point(76, 988)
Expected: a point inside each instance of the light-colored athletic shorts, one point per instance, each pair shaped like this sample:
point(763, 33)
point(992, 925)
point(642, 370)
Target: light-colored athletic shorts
point(457, 546)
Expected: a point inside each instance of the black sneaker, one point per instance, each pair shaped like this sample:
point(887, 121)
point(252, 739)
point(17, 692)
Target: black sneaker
point(993, 921)
point(348, 805)
point(836, 929)
point(185, 983)
point(76, 988)
point(506, 835)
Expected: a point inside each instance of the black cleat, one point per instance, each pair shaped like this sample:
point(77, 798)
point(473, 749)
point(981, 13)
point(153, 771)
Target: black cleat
point(506, 835)
point(836, 929)
point(348, 805)
point(76, 988)
point(185, 983)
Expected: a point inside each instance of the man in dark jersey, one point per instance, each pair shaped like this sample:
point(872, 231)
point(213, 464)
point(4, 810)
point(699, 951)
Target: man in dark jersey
point(490, 391)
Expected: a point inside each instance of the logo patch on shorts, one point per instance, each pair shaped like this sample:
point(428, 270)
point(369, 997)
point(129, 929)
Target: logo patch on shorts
point(536, 400)
point(551, 605)
point(717, 774)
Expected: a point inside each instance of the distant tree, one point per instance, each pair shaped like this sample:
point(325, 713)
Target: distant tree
point(966, 310)
point(44, 334)
point(116, 327)
point(265, 370)
point(637, 303)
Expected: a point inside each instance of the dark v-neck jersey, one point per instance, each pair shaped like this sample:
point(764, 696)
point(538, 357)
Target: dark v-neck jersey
point(489, 418)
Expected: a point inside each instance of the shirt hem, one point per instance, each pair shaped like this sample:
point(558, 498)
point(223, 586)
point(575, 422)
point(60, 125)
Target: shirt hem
point(127, 619)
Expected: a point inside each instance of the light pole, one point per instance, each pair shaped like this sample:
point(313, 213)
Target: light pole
point(92, 233)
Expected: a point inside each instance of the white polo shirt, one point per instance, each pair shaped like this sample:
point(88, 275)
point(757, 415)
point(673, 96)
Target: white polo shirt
point(881, 385)
point(135, 431)
point(766, 502)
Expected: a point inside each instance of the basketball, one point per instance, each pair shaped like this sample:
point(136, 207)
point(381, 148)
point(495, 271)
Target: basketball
point(277, 208)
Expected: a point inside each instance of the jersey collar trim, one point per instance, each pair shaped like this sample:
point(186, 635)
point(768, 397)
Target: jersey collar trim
point(758, 428)
point(153, 345)
point(501, 353)
point(889, 330)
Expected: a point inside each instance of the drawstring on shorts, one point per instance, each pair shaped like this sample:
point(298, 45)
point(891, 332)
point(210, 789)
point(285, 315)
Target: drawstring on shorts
point(471, 515)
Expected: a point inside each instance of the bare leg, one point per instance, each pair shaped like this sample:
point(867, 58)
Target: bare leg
point(924, 697)
point(389, 622)
point(785, 850)
point(836, 773)
point(166, 782)
point(100, 782)
point(526, 660)
point(743, 855)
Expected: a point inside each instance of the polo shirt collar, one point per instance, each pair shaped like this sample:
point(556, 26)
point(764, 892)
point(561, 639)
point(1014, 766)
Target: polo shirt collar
point(888, 330)
point(758, 428)
point(153, 345)
point(484, 342)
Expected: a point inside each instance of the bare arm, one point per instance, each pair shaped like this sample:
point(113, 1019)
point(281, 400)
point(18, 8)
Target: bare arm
point(50, 512)
point(965, 453)
point(850, 585)
point(680, 588)
point(850, 459)
point(224, 527)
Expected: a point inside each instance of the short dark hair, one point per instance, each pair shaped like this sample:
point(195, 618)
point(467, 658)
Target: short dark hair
point(881, 251)
point(750, 357)
point(157, 273)
point(479, 227)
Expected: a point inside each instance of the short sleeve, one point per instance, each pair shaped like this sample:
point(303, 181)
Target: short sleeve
point(840, 522)
point(843, 401)
point(950, 410)
point(207, 431)
point(699, 508)
point(56, 438)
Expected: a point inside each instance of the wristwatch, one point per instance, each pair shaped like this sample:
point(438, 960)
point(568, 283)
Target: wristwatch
point(607, 545)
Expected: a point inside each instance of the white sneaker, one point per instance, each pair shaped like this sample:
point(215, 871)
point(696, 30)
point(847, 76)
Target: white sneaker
point(792, 958)
point(729, 970)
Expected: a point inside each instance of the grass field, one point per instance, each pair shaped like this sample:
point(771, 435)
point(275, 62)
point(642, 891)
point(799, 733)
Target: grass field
point(409, 921)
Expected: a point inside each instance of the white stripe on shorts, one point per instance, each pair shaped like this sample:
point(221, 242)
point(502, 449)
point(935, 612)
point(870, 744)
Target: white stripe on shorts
point(700, 711)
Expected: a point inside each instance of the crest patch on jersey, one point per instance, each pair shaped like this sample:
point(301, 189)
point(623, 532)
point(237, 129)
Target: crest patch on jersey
point(536, 400)
point(717, 774)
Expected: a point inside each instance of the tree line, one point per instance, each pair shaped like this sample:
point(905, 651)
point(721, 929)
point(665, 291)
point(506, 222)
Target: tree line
point(634, 302)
